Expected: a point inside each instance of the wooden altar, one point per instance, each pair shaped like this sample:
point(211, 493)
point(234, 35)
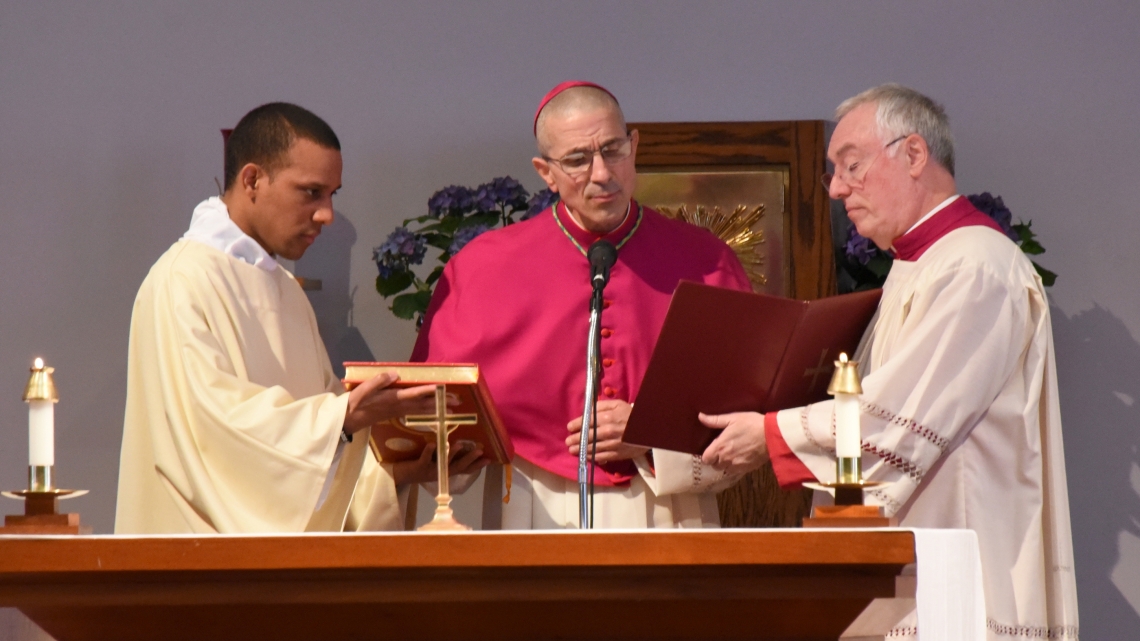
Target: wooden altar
point(726, 584)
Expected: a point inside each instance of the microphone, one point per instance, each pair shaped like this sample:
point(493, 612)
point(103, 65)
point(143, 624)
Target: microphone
point(602, 256)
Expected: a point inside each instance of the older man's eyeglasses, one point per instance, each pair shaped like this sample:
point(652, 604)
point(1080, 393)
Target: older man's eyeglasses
point(579, 162)
point(852, 174)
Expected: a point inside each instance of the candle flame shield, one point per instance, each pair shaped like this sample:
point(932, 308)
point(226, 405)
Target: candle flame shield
point(845, 380)
point(41, 386)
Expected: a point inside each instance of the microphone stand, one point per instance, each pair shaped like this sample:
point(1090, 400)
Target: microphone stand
point(585, 498)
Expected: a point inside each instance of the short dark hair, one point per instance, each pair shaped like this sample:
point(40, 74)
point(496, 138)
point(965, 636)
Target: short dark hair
point(264, 135)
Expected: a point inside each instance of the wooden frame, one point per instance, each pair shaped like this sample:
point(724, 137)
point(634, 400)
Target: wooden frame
point(799, 145)
point(726, 584)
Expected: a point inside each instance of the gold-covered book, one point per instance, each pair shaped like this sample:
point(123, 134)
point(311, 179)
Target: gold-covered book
point(396, 441)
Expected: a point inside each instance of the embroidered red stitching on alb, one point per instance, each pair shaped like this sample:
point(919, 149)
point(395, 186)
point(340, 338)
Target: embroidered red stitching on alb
point(1033, 631)
point(886, 499)
point(807, 432)
point(894, 460)
point(908, 423)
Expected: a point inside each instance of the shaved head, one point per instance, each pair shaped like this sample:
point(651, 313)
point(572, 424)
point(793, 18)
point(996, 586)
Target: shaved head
point(572, 101)
point(586, 125)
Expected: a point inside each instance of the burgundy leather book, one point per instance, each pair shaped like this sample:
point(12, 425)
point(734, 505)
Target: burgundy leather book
point(722, 350)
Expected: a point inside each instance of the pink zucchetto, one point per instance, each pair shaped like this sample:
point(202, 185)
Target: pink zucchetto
point(563, 86)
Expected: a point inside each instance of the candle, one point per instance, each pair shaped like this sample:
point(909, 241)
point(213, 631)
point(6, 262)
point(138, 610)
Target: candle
point(41, 433)
point(41, 417)
point(846, 389)
point(847, 426)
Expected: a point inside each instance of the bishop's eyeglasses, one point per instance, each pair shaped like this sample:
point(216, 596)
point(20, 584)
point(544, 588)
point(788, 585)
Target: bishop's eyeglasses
point(852, 174)
point(578, 163)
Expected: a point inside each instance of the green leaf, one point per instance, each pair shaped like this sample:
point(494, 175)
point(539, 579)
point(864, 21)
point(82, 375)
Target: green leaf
point(1027, 240)
point(1023, 231)
point(1047, 277)
point(489, 219)
point(1032, 247)
point(394, 284)
point(450, 224)
point(880, 265)
point(406, 306)
point(441, 241)
point(420, 219)
point(434, 275)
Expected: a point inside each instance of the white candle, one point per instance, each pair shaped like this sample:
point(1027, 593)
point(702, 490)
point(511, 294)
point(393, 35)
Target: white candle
point(41, 433)
point(847, 438)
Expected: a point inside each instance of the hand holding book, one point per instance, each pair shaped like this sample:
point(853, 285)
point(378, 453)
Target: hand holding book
point(465, 459)
point(741, 446)
point(375, 400)
point(395, 442)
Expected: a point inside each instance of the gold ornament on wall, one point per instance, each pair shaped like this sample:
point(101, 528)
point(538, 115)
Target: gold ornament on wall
point(735, 229)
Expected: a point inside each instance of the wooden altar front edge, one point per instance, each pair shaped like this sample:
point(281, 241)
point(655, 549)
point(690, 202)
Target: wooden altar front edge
point(727, 584)
point(798, 148)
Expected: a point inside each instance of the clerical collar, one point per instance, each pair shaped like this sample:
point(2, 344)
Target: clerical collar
point(953, 214)
point(583, 238)
point(574, 219)
point(939, 207)
point(211, 225)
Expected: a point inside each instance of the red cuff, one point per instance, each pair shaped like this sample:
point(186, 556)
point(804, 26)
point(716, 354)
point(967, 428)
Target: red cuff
point(790, 470)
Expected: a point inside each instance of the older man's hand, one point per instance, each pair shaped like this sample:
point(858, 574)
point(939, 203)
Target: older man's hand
point(612, 417)
point(741, 447)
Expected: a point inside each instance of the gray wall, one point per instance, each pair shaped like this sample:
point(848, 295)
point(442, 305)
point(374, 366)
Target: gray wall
point(109, 119)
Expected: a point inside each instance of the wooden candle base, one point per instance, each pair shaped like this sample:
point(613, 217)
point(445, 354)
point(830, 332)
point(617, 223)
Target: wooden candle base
point(41, 515)
point(848, 516)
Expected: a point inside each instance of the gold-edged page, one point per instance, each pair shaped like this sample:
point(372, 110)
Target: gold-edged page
point(414, 373)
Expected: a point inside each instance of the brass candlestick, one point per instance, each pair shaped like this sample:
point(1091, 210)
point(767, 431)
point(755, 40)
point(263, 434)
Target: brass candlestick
point(41, 499)
point(845, 381)
point(849, 510)
point(40, 388)
point(442, 424)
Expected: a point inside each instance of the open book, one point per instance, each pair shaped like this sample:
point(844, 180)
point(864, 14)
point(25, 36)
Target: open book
point(395, 441)
point(722, 351)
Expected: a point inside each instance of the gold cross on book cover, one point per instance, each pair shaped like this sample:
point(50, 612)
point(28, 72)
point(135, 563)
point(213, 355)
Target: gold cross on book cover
point(399, 440)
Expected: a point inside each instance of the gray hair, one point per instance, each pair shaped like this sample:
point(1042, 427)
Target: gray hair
point(902, 111)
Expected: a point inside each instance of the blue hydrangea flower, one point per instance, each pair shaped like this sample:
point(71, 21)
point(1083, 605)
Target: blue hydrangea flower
point(450, 201)
point(539, 202)
point(464, 236)
point(993, 207)
point(858, 248)
point(483, 200)
point(505, 193)
point(401, 249)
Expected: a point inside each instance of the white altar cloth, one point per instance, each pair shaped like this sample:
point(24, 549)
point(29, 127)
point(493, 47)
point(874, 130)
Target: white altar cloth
point(946, 586)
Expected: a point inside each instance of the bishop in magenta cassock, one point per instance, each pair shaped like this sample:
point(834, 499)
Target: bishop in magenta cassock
point(516, 301)
point(959, 408)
